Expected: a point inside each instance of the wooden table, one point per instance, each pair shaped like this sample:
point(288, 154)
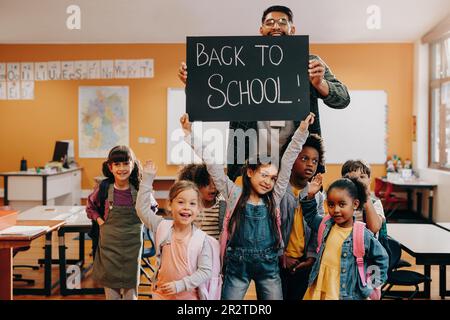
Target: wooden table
point(7, 243)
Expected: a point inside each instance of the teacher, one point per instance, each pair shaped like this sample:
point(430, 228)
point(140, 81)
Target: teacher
point(278, 21)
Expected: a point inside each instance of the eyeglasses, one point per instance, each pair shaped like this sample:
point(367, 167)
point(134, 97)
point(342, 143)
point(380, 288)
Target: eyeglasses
point(282, 22)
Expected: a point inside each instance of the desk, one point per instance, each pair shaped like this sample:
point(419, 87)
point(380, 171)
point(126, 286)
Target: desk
point(24, 190)
point(76, 221)
point(81, 224)
point(409, 186)
point(429, 244)
point(445, 225)
point(7, 243)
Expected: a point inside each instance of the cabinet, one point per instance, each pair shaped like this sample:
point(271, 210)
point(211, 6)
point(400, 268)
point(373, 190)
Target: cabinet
point(24, 190)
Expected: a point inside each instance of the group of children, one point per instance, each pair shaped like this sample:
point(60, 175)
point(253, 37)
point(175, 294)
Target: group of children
point(271, 228)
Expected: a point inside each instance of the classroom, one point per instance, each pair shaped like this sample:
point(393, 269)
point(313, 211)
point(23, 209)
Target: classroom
point(78, 78)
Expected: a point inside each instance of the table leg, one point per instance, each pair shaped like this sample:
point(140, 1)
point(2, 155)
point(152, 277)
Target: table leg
point(427, 284)
point(81, 249)
point(48, 264)
point(442, 281)
point(430, 206)
point(6, 265)
point(62, 263)
point(409, 200)
point(419, 203)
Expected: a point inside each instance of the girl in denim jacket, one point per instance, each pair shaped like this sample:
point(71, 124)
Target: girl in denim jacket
point(251, 236)
point(334, 275)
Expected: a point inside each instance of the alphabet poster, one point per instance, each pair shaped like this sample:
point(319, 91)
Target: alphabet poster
point(247, 78)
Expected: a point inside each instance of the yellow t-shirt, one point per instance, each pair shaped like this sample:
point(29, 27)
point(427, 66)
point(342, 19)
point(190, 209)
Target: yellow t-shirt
point(296, 244)
point(326, 285)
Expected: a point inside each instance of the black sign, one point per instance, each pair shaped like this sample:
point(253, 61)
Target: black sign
point(247, 78)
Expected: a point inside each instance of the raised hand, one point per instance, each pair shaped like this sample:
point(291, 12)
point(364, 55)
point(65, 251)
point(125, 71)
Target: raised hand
point(185, 124)
point(307, 122)
point(150, 167)
point(182, 72)
point(314, 186)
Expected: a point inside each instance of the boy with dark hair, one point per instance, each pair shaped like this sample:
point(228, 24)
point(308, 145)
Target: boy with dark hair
point(372, 213)
point(300, 243)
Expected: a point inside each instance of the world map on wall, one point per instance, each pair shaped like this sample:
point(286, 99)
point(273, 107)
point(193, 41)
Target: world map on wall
point(103, 120)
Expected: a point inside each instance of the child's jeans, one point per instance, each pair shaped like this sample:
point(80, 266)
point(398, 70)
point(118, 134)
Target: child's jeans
point(244, 265)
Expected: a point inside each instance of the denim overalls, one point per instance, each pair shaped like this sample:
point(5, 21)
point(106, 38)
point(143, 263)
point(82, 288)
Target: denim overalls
point(251, 255)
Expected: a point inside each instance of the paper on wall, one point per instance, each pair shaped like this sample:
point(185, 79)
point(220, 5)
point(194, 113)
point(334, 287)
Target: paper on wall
point(13, 71)
point(27, 71)
point(13, 90)
point(3, 95)
point(147, 68)
point(54, 70)
point(40, 71)
point(120, 69)
point(2, 71)
point(93, 69)
point(80, 70)
point(107, 69)
point(67, 70)
point(27, 90)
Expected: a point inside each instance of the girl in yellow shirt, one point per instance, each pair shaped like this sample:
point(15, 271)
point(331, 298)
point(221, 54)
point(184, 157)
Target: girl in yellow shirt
point(335, 274)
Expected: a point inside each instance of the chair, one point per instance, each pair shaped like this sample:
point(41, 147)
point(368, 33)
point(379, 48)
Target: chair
point(18, 277)
point(391, 202)
point(147, 253)
point(400, 277)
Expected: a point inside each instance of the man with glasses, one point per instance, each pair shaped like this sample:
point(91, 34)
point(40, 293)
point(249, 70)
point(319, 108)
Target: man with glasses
point(278, 21)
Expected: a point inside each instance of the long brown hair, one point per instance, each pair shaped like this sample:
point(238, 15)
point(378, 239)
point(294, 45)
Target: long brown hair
point(238, 215)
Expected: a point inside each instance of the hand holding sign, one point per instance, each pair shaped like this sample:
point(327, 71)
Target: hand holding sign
point(182, 72)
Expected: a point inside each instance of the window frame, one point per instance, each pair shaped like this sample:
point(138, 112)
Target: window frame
point(444, 78)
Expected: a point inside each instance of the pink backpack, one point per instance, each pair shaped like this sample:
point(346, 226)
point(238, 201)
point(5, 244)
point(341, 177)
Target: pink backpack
point(212, 288)
point(358, 251)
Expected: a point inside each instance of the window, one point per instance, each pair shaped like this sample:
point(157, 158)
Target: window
point(439, 131)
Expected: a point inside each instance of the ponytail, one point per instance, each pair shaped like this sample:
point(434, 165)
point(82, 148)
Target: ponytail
point(354, 187)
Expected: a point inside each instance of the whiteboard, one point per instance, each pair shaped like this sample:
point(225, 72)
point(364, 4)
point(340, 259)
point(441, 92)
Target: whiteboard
point(215, 134)
point(358, 131)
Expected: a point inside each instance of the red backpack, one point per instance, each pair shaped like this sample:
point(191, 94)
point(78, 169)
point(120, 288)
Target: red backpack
point(358, 251)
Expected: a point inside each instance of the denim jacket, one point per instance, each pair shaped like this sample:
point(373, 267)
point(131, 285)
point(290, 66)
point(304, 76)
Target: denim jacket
point(288, 205)
point(351, 287)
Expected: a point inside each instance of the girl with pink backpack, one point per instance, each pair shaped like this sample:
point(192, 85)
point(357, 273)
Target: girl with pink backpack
point(351, 264)
point(188, 259)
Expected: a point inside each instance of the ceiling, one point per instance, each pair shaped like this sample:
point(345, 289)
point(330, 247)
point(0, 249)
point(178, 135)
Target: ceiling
point(170, 21)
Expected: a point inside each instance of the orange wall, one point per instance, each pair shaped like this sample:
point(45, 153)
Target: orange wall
point(30, 128)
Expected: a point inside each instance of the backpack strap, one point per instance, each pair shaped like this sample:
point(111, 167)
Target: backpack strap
point(233, 199)
point(194, 249)
point(103, 195)
point(358, 248)
point(162, 234)
point(222, 212)
point(321, 230)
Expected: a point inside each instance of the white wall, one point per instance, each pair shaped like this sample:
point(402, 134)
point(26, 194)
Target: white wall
point(441, 210)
